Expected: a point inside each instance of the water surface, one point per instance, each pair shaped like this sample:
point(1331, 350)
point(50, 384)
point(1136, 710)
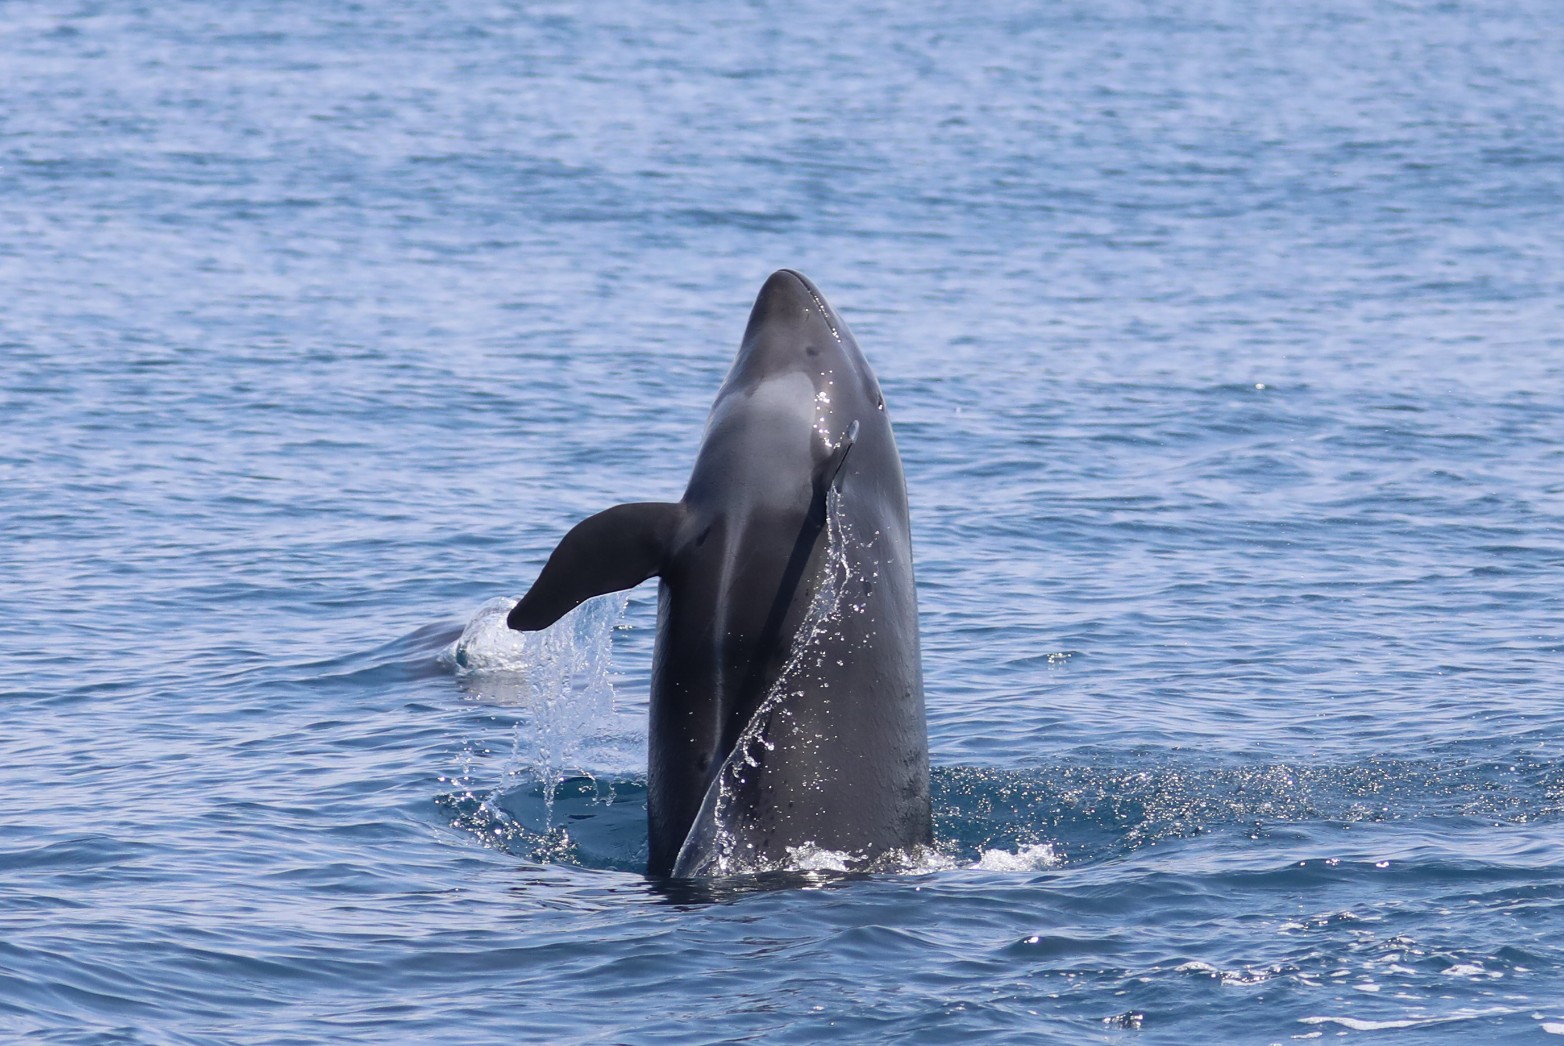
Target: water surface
point(1223, 342)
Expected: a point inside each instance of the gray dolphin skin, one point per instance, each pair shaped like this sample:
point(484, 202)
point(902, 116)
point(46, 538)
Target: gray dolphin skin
point(787, 687)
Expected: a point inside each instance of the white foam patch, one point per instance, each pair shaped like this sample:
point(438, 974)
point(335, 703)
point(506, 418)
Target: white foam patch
point(1553, 1027)
point(1035, 858)
point(1357, 1024)
point(812, 858)
point(1196, 966)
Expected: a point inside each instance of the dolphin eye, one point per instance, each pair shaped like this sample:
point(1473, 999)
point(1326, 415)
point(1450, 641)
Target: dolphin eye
point(881, 404)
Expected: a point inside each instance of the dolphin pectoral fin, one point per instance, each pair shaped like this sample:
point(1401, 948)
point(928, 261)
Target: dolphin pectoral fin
point(726, 837)
point(699, 856)
point(710, 843)
point(616, 549)
point(831, 469)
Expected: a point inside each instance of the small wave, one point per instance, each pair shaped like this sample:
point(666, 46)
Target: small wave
point(1102, 811)
point(1035, 858)
point(945, 856)
point(1390, 1024)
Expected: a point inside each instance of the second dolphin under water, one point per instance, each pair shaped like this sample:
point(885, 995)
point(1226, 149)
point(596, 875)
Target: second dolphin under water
point(777, 724)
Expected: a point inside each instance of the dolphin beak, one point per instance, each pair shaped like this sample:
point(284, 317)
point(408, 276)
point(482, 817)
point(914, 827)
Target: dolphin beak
point(786, 297)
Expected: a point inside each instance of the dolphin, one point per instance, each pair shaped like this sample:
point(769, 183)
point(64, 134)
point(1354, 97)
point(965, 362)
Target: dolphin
point(787, 710)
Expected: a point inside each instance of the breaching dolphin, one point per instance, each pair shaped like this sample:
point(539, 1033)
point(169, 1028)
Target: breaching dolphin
point(787, 687)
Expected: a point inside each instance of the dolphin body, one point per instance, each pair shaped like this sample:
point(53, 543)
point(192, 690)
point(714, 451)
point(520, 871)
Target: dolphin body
point(787, 687)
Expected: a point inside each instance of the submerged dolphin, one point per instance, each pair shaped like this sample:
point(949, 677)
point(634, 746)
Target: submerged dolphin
point(787, 688)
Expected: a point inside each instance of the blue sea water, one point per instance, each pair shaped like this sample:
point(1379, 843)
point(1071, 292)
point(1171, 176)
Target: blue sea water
point(1225, 347)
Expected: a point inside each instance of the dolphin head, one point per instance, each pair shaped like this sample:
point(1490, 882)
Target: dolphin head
point(793, 330)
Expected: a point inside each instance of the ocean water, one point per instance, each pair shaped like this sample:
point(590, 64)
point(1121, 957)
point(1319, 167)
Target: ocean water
point(1225, 348)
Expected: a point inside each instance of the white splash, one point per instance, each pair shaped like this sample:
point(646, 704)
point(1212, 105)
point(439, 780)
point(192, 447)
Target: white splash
point(561, 676)
point(1036, 858)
